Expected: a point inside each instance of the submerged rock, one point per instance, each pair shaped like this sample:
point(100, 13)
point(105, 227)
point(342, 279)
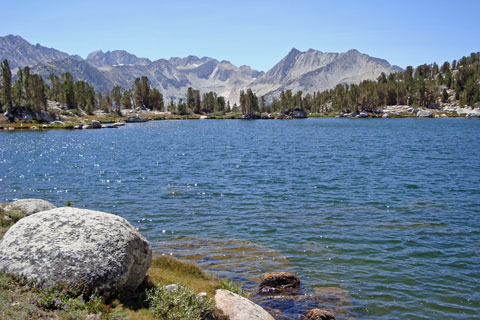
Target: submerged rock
point(317, 314)
point(239, 308)
point(74, 246)
point(29, 206)
point(279, 282)
point(285, 306)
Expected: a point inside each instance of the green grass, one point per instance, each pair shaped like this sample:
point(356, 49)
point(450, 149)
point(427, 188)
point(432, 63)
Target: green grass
point(179, 303)
point(7, 219)
point(232, 287)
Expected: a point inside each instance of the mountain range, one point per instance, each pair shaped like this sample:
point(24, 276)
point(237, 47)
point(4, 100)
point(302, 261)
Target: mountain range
point(308, 71)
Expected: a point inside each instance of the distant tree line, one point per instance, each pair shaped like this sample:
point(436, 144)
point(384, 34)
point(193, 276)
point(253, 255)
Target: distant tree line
point(458, 81)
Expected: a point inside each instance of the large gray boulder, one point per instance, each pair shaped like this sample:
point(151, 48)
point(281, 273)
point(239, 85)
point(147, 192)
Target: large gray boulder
point(29, 206)
point(239, 308)
point(77, 247)
point(96, 124)
point(424, 114)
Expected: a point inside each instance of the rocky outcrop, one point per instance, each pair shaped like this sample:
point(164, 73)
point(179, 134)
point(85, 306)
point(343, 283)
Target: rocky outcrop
point(135, 119)
point(29, 206)
point(239, 308)
point(317, 314)
point(27, 114)
point(95, 124)
point(424, 114)
point(275, 282)
point(74, 246)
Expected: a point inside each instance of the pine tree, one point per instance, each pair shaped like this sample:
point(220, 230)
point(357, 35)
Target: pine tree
point(190, 99)
point(68, 95)
point(141, 92)
point(197, 102)
point(6, 90)
point(127, 100)
point(156, 100)
point(117, 96)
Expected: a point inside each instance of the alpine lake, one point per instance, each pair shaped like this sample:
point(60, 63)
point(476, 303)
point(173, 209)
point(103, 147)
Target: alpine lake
point(380, 218)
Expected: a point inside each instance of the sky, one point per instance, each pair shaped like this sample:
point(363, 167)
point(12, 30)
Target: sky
point(255, 33)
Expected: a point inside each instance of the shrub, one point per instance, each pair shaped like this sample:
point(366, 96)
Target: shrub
point(232, 287)
point(180, 303)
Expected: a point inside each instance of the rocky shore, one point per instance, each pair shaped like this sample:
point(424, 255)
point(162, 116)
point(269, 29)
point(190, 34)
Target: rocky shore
point(76, 263)
point(61, 118)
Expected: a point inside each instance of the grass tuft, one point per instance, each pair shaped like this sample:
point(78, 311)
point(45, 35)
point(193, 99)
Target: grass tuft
point(179, 303)
point(232, 287)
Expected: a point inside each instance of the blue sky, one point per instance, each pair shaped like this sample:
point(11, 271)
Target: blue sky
point(255, 33)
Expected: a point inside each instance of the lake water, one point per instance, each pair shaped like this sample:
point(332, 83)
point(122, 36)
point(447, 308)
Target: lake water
point(384, 211)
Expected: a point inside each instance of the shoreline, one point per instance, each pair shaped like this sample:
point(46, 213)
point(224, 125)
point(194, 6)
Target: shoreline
point(171, 277)
point(107, 119)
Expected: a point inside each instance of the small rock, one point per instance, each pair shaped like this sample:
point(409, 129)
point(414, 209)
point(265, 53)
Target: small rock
point(444, 115)
point(236, 307)
point(279, 282)
point(386, 115)
point(29, 206)
point(203, 117)
point(363, 115)
point(171, 287)
point(317, 314)
point(33, 128)
point(202, 295)
point(44, 126)
point(58, 122)
point(118, 124)
point(86, 126)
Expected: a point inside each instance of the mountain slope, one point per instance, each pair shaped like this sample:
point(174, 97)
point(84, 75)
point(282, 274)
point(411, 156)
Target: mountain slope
point(317, 71)
point(21, 53)
point(307, 71)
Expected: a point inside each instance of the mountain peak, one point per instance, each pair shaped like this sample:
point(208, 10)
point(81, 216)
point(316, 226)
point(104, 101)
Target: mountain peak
point(353, 51)
point(20, 53)
point(293, 52)
point(98, 58)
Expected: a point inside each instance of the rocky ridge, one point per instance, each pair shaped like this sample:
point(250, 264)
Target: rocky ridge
point(308, 71)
